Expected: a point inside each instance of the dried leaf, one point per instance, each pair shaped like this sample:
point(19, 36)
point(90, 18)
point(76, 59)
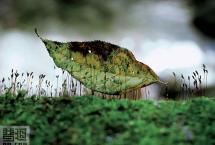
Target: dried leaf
point(101, 66)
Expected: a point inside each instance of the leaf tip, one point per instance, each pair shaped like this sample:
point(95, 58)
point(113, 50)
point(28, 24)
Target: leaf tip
point(163, 83)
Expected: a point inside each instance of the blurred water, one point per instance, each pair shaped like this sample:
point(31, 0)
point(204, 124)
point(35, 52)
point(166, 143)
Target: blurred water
point(157, 32)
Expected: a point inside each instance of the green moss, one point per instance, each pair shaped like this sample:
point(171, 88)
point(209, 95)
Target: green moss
point(94, 121)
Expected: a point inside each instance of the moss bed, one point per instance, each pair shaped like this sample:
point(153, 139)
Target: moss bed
point(89, 120)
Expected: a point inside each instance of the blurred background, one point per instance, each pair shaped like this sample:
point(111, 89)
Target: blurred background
point(168, 35)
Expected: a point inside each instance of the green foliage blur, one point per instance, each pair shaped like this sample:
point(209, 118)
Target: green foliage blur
point(84, 14)
point(93, 121)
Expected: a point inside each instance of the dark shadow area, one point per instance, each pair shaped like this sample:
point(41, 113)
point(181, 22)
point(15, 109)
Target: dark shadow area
point(204, 16)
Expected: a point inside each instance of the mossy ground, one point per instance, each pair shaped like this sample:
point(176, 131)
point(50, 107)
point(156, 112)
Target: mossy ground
point(93, 121)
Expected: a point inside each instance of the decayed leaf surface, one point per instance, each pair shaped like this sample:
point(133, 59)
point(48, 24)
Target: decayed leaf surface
point(101, 66)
